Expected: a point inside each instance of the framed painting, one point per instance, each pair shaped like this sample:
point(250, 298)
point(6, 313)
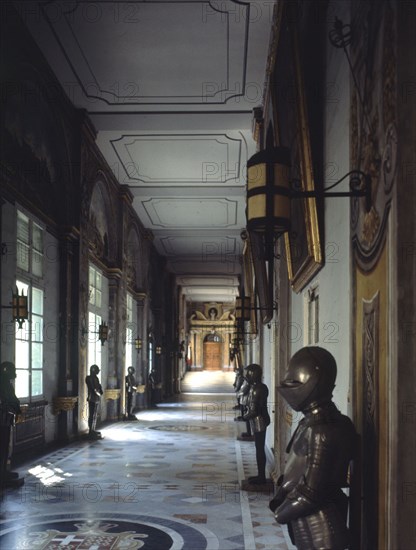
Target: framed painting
point(288, 113)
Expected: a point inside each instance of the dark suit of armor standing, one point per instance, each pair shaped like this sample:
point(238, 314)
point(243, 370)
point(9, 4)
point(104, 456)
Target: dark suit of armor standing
point(258, 417)
point(309, 497)
point(95, 392)
point(131, 388)
point(9, 408)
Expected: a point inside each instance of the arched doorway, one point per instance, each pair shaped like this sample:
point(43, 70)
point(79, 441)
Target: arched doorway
point(213, 350)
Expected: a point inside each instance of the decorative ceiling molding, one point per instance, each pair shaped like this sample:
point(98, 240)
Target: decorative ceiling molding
point(201, 281)
point(179, 266)
point(201, 38)
point(211, 158)
point(191, 212)
point(203, 247)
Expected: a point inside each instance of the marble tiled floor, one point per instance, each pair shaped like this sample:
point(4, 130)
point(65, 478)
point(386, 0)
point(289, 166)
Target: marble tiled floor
point(170, 480)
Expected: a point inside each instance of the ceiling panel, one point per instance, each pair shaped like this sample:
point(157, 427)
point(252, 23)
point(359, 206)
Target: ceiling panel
point(175, 245)
point(180, 159)
point(190, 213)
point(153, 52)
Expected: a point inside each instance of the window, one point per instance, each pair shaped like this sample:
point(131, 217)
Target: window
point(150, 351)
point(94, 317)
point(94, 345)
point(29, 338)
point(129, 332)
point(29, 346)
point(29, 245)
point(95, 284)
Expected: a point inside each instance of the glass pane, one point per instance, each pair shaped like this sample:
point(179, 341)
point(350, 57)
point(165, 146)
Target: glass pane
point(37, 264)
point(98, 280)
point(23, 334)
point(22, 256)
point(150, 356)
point(92, 327)
point(22, 286)
point(37, 382)
point(98, 298)
point(91, 354)
point(37, 356)
point(91, 281)
point(22, 228)
point(98, 357)
point(22, 383)
point(129, 355)
point(37, 238)
point(92, 295)
point(37, 328)
point(37, 301)
point(22, 354)
point(129, 306)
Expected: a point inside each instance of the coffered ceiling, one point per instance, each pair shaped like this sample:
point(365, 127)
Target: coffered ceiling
point(170, 87)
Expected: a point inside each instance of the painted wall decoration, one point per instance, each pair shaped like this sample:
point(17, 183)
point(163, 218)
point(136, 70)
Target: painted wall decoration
point(373, 125)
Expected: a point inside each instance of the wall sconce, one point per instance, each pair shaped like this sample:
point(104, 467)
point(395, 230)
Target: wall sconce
point(103, 333)
point(19, 308)
point(158, 350)
point(138, 344)
point(242, 308)
point(269, 194)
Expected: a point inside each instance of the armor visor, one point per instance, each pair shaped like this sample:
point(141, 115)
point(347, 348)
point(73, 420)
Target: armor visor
point(297, 394)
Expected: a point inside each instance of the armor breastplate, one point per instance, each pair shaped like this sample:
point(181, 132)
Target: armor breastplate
point(297, 460)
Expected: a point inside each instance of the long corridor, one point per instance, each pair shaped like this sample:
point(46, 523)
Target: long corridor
point(170, 480)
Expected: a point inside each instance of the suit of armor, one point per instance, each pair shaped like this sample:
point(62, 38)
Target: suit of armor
point(95, 392)
point(309, 497)
point(9, 408)
point(257, 415)
point(130, 391)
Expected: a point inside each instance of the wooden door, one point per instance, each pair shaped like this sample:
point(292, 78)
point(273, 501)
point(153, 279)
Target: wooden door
point(212, 355)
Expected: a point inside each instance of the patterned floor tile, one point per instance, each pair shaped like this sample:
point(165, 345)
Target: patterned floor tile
point(169, 480)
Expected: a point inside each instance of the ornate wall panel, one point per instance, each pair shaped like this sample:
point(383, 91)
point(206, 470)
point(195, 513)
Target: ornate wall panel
point(373, 146)
point(373, 125)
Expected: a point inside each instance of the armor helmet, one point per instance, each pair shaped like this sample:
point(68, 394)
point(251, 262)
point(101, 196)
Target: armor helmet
point(8, 370)
point(130, 370)
point(310, 378)
point(94, 369)
point(254, 373)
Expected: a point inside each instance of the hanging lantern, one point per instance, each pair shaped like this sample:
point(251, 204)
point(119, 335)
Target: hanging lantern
point(242, 308)
point(138, 344)
point(268, 192)
point(103, 333)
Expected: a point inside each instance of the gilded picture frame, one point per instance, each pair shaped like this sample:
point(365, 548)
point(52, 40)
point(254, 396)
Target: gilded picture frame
point(289, 116)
